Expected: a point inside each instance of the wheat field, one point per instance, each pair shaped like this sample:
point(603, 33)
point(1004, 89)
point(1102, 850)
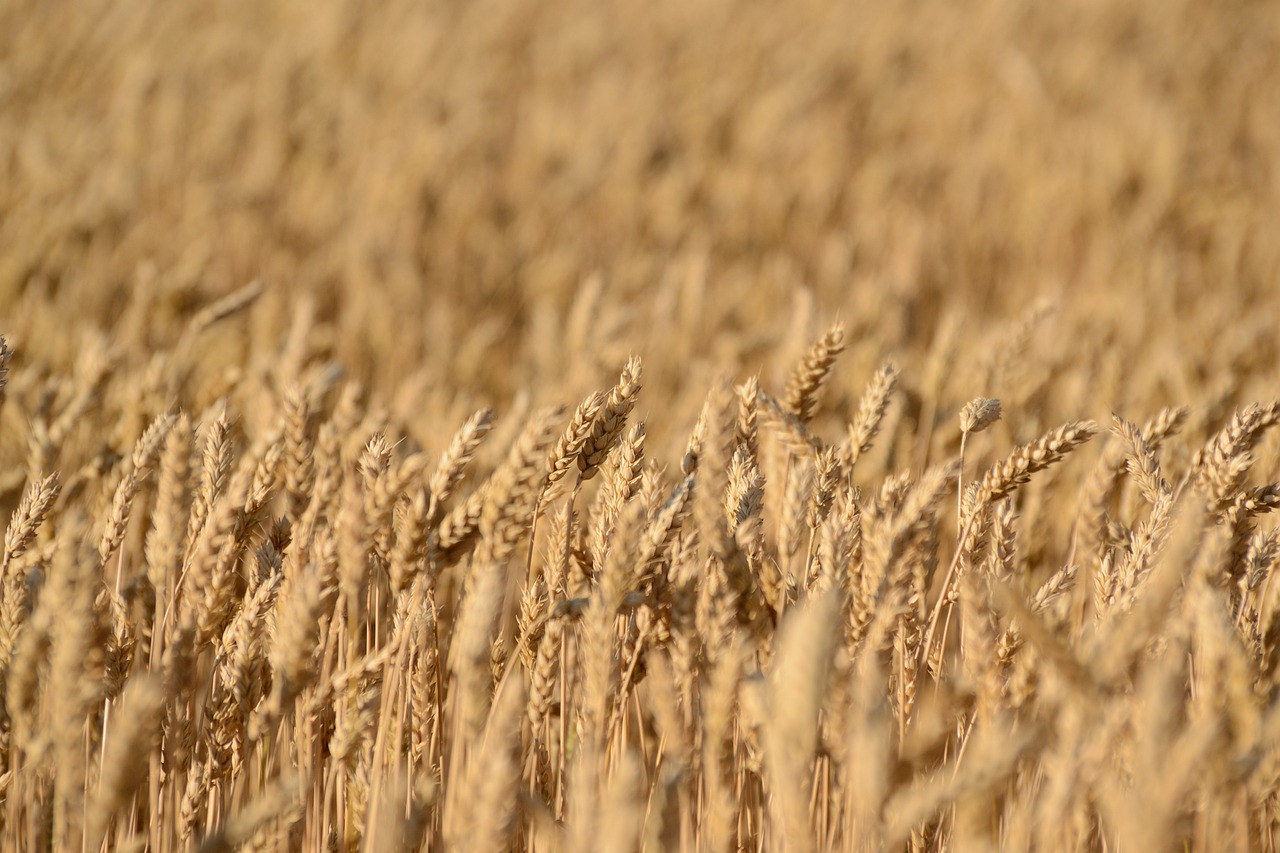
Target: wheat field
point(844, 425)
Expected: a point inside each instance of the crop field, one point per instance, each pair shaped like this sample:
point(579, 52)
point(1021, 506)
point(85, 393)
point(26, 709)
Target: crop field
point(708, 425)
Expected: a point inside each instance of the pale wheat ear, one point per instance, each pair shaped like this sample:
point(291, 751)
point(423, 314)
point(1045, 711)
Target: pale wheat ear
point(571, 445)
point(534, 427)
point(811, 374)
point(610, 420)
point(978, 414)
point(135, 731)
point(32, 511)
point(871, 411)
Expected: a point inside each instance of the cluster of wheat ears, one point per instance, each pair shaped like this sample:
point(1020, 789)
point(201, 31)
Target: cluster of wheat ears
point(304, 632)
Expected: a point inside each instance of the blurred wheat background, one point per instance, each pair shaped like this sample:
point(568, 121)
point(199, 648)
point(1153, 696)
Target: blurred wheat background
point(568, 425)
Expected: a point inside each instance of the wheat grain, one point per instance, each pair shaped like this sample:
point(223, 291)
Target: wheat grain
point(811, 374)
point(135, 732)
point(27, 518)
point(749, 622)
point(512, 494)
point(607, 425)
point(569, 447)
point(871, 410)
point(1000, 481)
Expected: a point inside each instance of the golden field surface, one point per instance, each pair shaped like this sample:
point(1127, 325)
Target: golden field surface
point(610, 426)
